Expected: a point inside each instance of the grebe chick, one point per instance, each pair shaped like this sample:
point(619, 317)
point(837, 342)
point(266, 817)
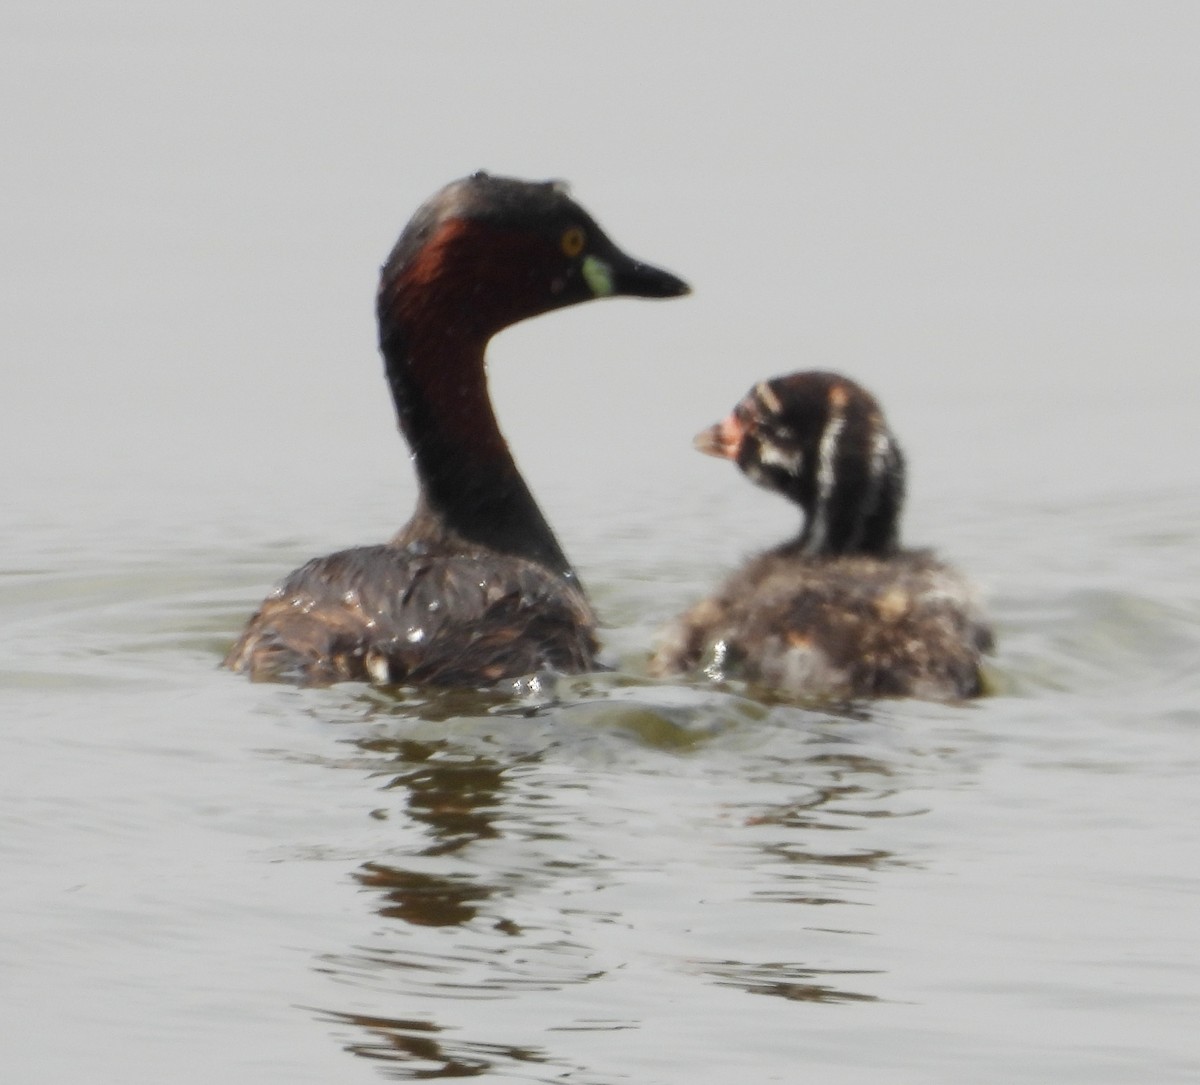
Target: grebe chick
point(475, 588)
point(841, 611)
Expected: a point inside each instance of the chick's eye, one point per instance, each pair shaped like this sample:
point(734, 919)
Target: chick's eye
point(774, 430)
point(572, 241)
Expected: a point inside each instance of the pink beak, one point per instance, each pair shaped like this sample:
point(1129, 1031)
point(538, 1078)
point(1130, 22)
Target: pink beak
point(723, 440)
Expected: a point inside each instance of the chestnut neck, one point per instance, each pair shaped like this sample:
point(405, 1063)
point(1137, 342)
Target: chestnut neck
point(470, 488)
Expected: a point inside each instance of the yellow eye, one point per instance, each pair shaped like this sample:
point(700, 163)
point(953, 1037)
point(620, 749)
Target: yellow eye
point(572, 241)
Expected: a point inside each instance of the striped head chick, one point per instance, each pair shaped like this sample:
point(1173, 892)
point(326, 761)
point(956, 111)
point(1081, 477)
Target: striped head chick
point(822, 441)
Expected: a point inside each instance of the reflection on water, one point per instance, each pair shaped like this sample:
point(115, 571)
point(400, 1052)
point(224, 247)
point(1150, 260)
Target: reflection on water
point(457, 800)
point(425, 900)
point(422, 1051)
point(785, 981)
point(550, 848)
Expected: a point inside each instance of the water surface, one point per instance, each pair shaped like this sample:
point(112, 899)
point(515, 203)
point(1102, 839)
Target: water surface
point(610, 879)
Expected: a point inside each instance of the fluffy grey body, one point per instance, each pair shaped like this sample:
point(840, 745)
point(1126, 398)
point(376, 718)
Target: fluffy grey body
point(842, 626)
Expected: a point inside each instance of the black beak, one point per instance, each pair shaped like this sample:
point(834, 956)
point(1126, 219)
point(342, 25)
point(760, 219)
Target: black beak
point(634, 279)
point(611, 273)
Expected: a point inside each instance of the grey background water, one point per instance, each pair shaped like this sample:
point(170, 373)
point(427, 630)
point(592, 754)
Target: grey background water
point(986, 213)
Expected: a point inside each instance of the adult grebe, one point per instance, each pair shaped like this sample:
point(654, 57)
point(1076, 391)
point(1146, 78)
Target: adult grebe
point(475, 588)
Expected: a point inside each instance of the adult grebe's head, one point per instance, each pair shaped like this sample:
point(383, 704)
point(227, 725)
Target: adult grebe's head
point(486, 252)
